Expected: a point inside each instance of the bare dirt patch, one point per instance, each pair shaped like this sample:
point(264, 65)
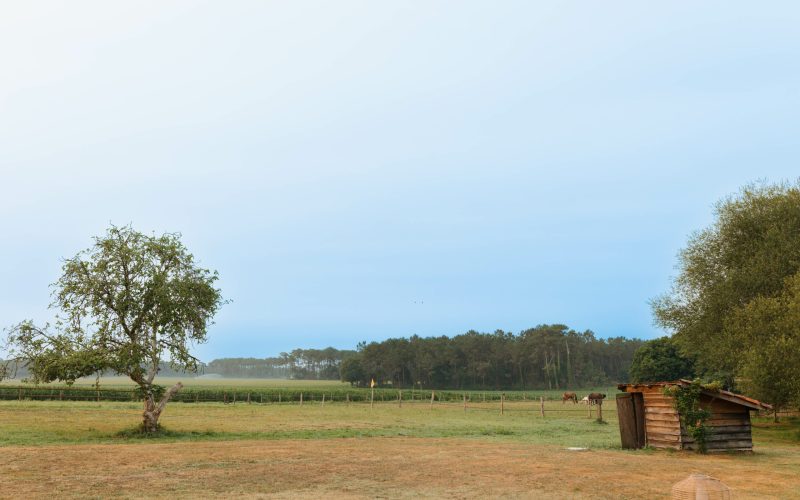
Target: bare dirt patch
point(378, 467)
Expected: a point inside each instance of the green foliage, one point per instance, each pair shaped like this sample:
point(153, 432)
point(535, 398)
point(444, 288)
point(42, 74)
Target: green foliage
point(686, 400)
point(734, 303)
point(660, 360)
point(352, 371)
point(125, 304)
point(545, 357)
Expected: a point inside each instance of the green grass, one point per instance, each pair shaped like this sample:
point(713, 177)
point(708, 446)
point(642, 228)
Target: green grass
point(53, 422)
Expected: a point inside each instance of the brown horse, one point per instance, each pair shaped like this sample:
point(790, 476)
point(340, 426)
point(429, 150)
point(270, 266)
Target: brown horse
point(596, 398)
point(569, 396)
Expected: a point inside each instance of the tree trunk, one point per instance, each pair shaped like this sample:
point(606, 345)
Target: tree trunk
point(152, 411)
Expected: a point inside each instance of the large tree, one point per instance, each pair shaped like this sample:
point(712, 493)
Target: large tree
point(751, 253)
point(125, 305)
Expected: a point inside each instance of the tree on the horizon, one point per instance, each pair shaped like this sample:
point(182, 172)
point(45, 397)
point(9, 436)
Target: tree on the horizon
point(125, 305)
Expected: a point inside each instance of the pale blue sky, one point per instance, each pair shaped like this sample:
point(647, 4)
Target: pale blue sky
point(507, 163)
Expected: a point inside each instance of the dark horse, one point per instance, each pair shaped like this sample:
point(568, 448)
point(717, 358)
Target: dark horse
point(596, 398)
point(569, 396)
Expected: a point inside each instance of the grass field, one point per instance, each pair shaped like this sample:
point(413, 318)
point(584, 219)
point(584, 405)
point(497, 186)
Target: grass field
point(81, 449)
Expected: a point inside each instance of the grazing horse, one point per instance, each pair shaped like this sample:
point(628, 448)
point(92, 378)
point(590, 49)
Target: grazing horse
point(569, 396)
point(596, 398)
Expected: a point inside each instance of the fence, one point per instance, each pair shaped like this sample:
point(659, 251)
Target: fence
point(472, 400)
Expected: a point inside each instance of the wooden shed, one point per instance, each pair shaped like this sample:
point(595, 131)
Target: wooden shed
point(647, 417)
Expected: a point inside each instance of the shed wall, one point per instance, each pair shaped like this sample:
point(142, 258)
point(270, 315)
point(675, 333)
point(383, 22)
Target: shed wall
point(730, 424)
point(662, 426)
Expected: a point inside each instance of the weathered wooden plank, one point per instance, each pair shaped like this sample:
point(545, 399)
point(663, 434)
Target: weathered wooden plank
point(664, 417)
point(739, 436)
point(724, 429)
point(723, 445)
point(655, 443)
point(626, 417)
point(667, 438)
point(665, 411)
point(718, 422)
point(664, 426)
point(659, 404)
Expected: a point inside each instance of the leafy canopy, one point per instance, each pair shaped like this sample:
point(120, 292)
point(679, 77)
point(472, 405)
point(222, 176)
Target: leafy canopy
point(733, 305)
point(660, 360)
point(125, 304)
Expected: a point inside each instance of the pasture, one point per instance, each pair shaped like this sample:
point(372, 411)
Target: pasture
point(78, 449)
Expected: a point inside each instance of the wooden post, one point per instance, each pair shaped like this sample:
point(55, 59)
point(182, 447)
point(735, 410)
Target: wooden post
point(261, 398)
point(224, 397)
point(600, 410)
point(234, 397)
point(589, 407)
point(60, 395)
point(301, 399)
point(348, 399)
point(279, 397)
point(196, 397)
point(541, 405)
point(98, 394)
point(323, 399)
point(465, 402)
point(483, 396)
point(432, 395)
point(400, 398)
point(371, 397)
point(248, 398)
point(502, 402)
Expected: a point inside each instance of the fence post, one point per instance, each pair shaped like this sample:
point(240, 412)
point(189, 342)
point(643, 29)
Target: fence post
point(400, 398)
point(541, 405)
point(196, 397)
point(348, 399)
point(248, 398)
point(234, 397)
point(301, 399)
point(465, 402)
point(60, 395)
point(323, 399)
point(502, 402)
point(224, 397)
point(600, 410)
point(589, 408)
point(432, 395)
point(279, 397)
point(261, 398)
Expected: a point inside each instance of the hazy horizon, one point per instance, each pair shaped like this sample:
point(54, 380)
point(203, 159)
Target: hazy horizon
point(357, 171)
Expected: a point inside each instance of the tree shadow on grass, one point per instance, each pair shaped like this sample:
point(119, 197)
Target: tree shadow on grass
point(138, 433)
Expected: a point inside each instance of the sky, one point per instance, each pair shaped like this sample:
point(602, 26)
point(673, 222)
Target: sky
point(365, 170)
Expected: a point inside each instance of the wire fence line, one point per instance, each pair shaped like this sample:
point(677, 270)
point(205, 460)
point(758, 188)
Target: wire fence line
point(468, 400)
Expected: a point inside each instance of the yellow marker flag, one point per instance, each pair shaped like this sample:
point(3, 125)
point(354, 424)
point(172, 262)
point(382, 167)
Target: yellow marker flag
point(372, 383)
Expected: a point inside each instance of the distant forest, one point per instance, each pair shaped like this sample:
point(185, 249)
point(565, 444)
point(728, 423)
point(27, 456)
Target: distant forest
point(547, 356)
point(300, 364)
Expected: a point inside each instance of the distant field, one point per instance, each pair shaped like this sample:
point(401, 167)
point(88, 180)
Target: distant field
point(334, 450)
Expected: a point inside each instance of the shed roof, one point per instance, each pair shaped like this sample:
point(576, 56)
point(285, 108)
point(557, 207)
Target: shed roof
point(751, 403)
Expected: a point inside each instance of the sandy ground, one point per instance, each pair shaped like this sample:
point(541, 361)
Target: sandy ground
point(376, 468)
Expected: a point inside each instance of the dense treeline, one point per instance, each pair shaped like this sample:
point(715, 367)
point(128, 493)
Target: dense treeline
point(300, 364)
point(545, 357)
point(548, 356)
